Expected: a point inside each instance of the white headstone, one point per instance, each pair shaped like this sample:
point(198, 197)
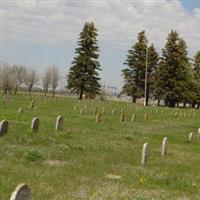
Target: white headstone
point(198, 133)
point(22, 192)
point(59, 123)
point(3, 127)
point(35, 124)
point(191, 135)
point(145, 153)
point(164, 146)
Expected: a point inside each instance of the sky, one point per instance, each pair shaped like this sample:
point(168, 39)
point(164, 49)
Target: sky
point(39, 33)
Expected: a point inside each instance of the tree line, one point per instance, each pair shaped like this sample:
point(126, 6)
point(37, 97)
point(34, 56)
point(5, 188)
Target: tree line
point(173, 76)
point(16, 76)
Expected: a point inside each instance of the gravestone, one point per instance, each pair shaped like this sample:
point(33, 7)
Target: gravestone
point(22, 192)
point(98, 117)
point(198, 133)
point(164, 146)
point(145, 153)
point(145, 116)
point(20, 110)
point(122, 117)
point(113, 111)
point(133, 118)
point(35, 124)
point(81, 111)
point(32, 104)
point(3, 127)
point(59, 123)
point(191, 136)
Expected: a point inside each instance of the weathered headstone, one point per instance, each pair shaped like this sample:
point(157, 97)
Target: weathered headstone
point(122, 117)
point(145, 116)
point(20, 110)
point(133, 118)
point(145, 153)
point(35, 124)
point(113, 111)
point(198, 133)
point(22, 192)
point(32, 104)
point(98, 117)
point(164, 146)
point(191, 136)
point(59, 123)
point(3, 127)
point(81, 111)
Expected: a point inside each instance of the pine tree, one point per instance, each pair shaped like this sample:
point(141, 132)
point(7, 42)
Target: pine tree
point(134, 74)
point(173, 74)
point(196, 74)
point(83, 77)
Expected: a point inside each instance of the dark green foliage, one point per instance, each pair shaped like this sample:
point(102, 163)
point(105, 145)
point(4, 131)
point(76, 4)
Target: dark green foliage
point(174, 72)
point(83, 77)
point(134, 74)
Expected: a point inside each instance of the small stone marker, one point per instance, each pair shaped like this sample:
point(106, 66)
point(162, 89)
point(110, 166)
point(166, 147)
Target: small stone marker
point(145, 116)
point(22, 192)
point(191, 135)
point(98, 117)
point(20, 110)
point(145, 153)
point(32, 104)
point(35, 124)
point(133, 118)
point(113, 111)
point(81, 111)
point(122, 117)
point(3, 127)
point(164, 146)
point(198, 133)
point(59, 123)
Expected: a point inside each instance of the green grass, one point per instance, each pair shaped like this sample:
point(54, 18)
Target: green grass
point(74, 163)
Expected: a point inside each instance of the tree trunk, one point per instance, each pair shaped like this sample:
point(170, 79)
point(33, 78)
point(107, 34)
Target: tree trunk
point(16, 89)
point(172, 103)
point(158, 102)
point(133, 99)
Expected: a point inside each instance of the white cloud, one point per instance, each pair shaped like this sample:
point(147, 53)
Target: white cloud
point(118, 22)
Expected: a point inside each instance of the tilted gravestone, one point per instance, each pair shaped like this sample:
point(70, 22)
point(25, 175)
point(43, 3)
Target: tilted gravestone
point(113, 111)
point(146, 116)
point(164, 146)
point(32, 105)
point(22, 192)
point(145, 153)
point(59, 123)
point(3, 127)
point(35, 124)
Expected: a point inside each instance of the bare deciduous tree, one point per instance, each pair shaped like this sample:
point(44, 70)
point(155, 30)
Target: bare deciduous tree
point(31, 78)
point(19, 72)
point(54, 78)
point(46, 80)
point(6, 79)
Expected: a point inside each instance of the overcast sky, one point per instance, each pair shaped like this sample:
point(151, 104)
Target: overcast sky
point(38, 33)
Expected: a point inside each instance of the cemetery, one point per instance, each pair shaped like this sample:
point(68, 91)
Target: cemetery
point(63, 148)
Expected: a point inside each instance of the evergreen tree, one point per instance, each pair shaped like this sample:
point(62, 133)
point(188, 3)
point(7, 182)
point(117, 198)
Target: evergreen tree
point(83, 77)
point(134, 74)
point(173, 74)
point(196, 73)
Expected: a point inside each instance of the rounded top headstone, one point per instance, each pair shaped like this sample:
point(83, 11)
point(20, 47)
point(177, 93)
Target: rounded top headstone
point(21, 192)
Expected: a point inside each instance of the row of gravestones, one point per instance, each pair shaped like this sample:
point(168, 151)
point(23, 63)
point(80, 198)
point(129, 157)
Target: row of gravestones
point(4, 124)
point(145, 148)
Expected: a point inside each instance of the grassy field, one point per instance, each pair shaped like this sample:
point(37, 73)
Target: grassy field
point(74, 163)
